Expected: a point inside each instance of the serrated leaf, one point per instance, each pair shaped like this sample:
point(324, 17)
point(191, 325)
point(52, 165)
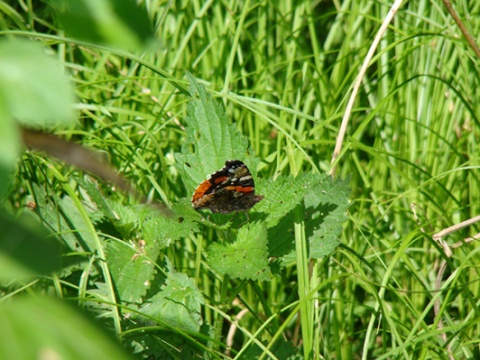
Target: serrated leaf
point(211, 140)
point(281, 240)
point(166, 230)
point(126, 218)
point(326, 203)
point(132, 268)
point(33, 86)
point(246, 258)
point(178, 303)
point(281, 197)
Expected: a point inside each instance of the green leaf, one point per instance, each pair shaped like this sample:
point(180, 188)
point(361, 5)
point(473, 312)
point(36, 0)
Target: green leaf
point(132, 268)
point(91, 192)
point(26, 249)
point(211, 140)
point(33, 86)
point(178, 304)
point(325, 201)
point(41, 328)
point(165, 230)
point(126, 217)
point(48, 213)
point(119, 23)
point(9, 148)
point(281, 196)
point(246, 258)
point(68, 224)
point(76, 222)
point(326, 204)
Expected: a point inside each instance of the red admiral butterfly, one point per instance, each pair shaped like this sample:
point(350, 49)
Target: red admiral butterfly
point(227, 190)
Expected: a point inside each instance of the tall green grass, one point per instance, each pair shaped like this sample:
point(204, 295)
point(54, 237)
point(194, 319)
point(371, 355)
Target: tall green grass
point(284, 71)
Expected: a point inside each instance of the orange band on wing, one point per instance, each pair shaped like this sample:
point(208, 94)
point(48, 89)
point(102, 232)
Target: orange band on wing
point(201, 190)
point(242, 189)
point(219, 179)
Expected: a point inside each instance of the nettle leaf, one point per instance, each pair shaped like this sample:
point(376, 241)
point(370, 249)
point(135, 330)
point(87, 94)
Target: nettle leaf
point(126, 218)
point(89, 189)
point(246, 258)
point(132, 267)
point(281, 240)
point(326, 203)
point(281, 196)
point(166, 230)
point(211, 139)
point(178, 304)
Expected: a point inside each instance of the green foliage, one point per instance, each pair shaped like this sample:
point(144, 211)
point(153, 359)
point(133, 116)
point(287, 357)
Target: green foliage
point(62, 216)
point(325, 204)
point(211, 138)
point(178, 303)
point(246, 258)
point(35, 92)
point(37, 326)
point(26, 250)
point(269, 86)
point(215, 140)
point(34, 88)
point(132, 268)
point(121, 24)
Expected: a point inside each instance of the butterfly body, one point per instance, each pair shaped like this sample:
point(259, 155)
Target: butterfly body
point(228, 190)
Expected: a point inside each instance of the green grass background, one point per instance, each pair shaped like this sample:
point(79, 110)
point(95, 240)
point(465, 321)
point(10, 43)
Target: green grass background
point(284, 71)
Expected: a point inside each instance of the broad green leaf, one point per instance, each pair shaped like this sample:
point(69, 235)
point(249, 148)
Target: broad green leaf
point(132, 268)
point(246, 258)
point(126, 218)
point(178, 303)
point(75, 220)
point(48, 212)
point(326, 203)
point(281, 240)
point(90, 190)
point(211, 140)
point(281, 196)
point(282, 349)
point(120, 23)
point(165, 230)
point(33, 86)
point(67, 224)
point(46, 328)
point(26, 249)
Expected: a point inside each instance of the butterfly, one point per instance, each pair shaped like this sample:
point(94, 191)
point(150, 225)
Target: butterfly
point(228, 190)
